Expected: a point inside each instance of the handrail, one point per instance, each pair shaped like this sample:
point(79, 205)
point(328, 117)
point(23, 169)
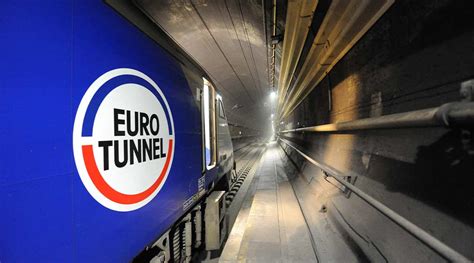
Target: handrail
point(448, 115)
point(441, 248)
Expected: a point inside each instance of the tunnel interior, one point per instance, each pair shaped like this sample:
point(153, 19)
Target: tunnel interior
point(318, 131)
point(395, 57)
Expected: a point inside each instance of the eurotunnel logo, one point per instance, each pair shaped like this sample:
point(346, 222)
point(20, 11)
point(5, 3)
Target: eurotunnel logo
point(123, 139)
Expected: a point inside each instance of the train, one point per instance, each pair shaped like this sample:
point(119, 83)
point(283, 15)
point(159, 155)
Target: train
point(116, 146)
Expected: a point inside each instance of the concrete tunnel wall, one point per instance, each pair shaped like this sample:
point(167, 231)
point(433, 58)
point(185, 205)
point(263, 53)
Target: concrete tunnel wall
point(414, 57)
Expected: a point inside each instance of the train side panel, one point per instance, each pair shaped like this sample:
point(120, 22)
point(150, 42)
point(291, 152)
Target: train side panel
point(36, 165)
point(224, 142)
point(52, 52)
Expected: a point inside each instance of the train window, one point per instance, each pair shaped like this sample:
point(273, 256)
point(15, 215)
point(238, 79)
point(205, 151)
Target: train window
point(221, 108)
point(210, 139)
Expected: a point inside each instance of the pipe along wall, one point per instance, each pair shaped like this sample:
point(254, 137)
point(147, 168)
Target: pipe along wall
point(414, 57)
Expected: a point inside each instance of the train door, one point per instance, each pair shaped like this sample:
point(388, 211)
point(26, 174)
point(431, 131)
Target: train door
point(217, 151)
point(209, 129)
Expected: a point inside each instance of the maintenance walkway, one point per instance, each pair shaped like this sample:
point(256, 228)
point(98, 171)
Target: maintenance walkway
point(270, 226)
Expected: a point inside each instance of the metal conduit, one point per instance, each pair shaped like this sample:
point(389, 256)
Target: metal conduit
point(441, 248)
point(345, 22)
point(297, 26)
point(273, 65)
point(447, 115)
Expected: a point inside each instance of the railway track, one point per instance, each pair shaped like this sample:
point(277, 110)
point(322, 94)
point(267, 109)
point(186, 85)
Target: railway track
point(245, 162)
point(246, 159)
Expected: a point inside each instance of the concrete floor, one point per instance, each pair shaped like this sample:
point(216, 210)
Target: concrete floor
point(270, 226)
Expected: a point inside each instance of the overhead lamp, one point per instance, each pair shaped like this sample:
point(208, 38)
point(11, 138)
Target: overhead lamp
point(273, 95)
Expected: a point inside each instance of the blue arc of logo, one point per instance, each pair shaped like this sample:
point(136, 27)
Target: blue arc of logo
point(106, 88)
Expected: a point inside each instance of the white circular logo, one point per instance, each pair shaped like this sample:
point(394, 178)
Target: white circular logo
point(123, 139)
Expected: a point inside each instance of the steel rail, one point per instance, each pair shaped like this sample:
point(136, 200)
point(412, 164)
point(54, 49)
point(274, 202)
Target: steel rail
point(447, 115)
point(438, 246)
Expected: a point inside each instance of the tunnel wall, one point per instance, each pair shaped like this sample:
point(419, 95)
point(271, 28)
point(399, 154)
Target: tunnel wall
point(414, 57)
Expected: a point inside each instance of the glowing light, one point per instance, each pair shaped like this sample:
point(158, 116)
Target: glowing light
point(273, 95)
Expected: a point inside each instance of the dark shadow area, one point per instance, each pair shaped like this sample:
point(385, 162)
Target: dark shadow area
point(447, 167)
point(441, 177)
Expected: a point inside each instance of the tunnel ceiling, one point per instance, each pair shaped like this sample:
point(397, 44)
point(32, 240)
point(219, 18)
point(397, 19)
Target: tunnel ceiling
point(227, 38)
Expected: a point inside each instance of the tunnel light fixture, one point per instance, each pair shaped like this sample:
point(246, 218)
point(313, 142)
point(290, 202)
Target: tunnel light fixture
point(273, 95)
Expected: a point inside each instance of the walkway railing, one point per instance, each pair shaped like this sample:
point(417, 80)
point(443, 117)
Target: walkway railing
point(447, 115)
point(441, 248)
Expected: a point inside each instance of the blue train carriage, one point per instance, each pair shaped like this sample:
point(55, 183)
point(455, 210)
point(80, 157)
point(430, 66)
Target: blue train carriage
point(113, 138)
